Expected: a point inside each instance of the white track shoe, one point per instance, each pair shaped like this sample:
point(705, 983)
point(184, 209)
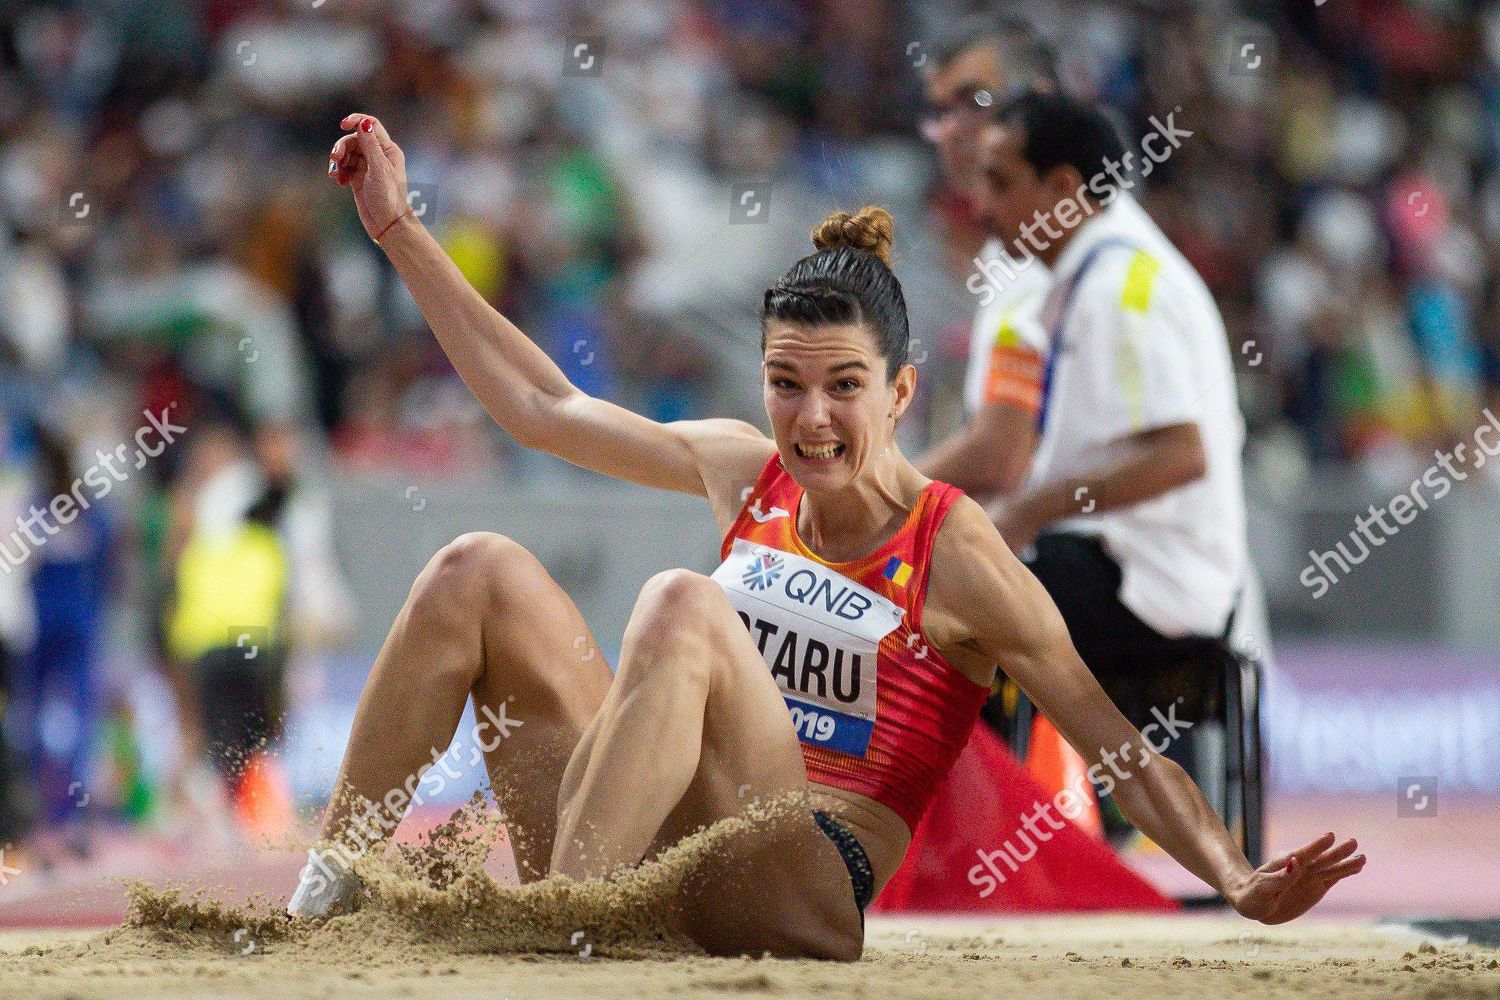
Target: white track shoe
point(326, 888)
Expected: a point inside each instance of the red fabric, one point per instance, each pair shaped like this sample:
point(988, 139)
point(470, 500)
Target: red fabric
point(979, 808)
point(924, 707)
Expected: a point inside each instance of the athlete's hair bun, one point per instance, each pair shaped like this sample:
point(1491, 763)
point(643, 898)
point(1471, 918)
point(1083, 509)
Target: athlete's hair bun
point(869, 229)
point(848, 280)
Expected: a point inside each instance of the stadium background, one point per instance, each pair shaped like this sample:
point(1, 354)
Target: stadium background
point(170, 237)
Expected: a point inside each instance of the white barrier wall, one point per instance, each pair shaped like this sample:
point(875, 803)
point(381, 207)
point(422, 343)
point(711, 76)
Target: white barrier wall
point(1437, 579)
point(601, 541)
point(1396, 671)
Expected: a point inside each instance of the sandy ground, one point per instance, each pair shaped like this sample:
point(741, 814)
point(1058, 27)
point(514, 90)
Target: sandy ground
point(1110, 957)
point(430, 945)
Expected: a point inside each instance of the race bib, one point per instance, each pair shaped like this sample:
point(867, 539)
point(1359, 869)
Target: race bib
point(819, 633)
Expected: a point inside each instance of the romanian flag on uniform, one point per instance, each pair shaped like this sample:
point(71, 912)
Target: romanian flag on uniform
point(898, 572)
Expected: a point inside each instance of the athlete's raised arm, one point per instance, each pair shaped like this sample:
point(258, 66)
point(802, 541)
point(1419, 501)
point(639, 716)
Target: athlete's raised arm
point(511, 377)
point(999, 612)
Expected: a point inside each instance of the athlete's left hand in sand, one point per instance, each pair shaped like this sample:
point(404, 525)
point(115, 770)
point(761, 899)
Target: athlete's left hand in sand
point(1287, 887)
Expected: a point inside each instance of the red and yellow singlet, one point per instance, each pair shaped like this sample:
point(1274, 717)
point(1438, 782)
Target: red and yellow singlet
point(878, 711)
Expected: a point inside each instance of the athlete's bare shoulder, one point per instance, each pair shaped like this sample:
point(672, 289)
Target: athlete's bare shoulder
point(967, 553)
point(730, 455)
point(976, 590)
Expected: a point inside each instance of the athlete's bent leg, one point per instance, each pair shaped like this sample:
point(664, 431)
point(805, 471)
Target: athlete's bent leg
point(483, 617)
point(693, 731)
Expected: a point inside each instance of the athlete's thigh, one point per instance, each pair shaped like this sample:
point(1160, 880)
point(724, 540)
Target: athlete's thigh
point(543, 682)
point(749, 750)
point(777, 884)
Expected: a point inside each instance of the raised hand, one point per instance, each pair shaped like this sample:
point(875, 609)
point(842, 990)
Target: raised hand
point(370, 163)
point(1292, 884)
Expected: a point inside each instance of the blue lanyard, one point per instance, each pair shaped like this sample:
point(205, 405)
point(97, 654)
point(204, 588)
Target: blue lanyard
point(1054, 339)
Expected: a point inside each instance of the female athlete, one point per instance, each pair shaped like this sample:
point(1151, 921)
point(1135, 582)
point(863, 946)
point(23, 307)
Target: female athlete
point(842, 650)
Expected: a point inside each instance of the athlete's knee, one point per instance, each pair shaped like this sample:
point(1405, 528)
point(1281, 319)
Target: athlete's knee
point(671, 633)
point(471, 574)
point(680, 598)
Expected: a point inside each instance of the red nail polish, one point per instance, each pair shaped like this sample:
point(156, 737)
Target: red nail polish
point(368, 125)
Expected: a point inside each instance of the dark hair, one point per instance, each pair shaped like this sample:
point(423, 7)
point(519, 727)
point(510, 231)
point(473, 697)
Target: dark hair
point(849, 280)
point(1025, 57)
point(1059, 130)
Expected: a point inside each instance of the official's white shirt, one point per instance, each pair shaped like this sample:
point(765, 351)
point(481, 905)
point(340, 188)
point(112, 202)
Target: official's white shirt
point(1008, 317)
point(1010, 306)
point(1142, 346)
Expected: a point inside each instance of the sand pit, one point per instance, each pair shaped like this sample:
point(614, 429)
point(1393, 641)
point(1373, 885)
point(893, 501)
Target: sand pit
point(1105, 957)
point(437, 924)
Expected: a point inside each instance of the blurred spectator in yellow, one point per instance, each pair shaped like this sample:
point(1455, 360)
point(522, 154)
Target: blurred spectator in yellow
point(226, 622)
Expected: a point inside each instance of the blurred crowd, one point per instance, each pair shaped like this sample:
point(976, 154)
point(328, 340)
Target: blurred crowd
point(623, 179)
point(168, 225)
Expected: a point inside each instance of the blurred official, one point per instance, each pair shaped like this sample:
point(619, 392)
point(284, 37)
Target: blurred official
point(1134, 501)
point(973, 68)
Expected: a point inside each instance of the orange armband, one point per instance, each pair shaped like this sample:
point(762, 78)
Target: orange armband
point(1015, 377)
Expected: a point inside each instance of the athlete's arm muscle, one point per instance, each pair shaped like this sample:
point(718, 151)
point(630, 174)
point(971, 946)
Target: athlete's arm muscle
point(989, 608)
point(529, 396)
point(1002, 614)
point(514, 379)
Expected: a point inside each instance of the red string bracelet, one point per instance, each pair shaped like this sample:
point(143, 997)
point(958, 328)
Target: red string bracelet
point(388, 228)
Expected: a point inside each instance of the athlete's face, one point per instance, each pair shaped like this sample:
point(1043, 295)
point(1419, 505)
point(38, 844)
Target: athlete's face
point(831, 407)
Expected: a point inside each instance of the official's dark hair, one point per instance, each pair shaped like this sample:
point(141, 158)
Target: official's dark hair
point(1059, 130)
point(848, 280)
point(1025, 56)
